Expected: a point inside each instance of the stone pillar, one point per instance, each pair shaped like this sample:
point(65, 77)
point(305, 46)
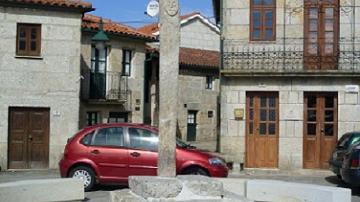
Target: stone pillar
point(169, 71)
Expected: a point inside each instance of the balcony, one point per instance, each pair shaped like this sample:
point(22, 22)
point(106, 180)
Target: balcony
point(288, 60)
point(102, 88)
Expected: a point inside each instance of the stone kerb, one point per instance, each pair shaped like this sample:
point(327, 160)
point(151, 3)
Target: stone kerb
point(42, 190)
point(279, 191)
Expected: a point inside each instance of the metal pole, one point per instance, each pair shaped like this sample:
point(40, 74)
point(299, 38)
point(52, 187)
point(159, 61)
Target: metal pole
point(169, 71)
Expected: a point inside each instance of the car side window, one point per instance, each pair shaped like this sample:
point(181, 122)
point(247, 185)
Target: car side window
point(143, 139)
point(355, 139)
point(343, 142)
point(87, 139)
point(109, 137)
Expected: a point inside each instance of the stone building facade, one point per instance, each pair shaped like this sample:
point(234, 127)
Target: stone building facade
point(289, 80)
point(40, 81)
point(198, 81)
point(112, 87)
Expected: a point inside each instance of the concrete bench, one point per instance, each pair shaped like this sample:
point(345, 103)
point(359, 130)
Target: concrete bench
point(42, 190)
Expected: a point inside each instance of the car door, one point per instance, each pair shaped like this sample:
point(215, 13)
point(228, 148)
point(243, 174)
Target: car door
point(109, 153)
point(143, 145)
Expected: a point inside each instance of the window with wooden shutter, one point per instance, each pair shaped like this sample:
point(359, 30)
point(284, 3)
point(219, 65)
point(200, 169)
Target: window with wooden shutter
point(321, 33)
point(262, 20)
point(28, 42)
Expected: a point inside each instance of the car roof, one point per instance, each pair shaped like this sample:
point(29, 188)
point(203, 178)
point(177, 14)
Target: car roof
point(106, 125)
point(353, 133)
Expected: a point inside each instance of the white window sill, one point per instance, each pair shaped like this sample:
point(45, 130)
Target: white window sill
point(29, 57)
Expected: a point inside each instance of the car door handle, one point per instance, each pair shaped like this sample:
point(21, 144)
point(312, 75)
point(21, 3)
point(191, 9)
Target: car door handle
point(95, 151)
point(135, 154)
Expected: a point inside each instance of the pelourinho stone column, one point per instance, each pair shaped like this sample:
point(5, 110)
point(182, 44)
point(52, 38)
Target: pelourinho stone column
point(169, 71)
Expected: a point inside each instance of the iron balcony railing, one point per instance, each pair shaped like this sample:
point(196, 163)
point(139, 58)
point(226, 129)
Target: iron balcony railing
point(105, 87)
point(242, 57)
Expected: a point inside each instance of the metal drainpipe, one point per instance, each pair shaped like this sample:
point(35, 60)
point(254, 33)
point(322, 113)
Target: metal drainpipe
point(218, 136)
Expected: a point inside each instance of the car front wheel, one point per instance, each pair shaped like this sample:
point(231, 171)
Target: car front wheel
point(84, 174)
point(196, 171)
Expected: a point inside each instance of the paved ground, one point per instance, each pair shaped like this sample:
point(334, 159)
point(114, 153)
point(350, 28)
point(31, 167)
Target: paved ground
point(101, 193)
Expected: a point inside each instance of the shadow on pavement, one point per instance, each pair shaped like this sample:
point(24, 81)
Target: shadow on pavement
point(108, 187)
point(355, 191)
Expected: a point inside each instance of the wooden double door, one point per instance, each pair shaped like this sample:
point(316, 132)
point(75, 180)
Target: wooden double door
point(320, 128)
point(262, 130)
point(28, 143)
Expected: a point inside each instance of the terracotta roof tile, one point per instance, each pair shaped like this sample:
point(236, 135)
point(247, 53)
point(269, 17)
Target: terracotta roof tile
point(77, 4)
point(153, 28)
point(199, 58)
point(92, 22)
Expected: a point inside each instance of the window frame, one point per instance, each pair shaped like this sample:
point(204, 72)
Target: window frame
point(28, 28)
point(124, 62)
point(209, 85)
point(88, 118)
point(262, 8)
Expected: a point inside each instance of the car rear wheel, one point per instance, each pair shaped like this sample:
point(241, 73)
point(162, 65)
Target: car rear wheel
point(196, 171)
point(84, 174)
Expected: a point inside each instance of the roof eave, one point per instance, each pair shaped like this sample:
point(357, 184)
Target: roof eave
point(46, 7)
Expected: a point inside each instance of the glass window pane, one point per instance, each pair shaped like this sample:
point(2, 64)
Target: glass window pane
point(115, 137)
point(329, 129)
point(313, 25)
point(272, 129)
point(93, 51)
point(251, 101)
point(313, 13)
point(311, 129)
point(143, 139)
point(268, 2)
point(272, 115)
point(263, 101)
point(268, 33)
point(311, 115)
point(22, 45)
point(313, 37)
point(262, 128)
point(256, 19)
point(311, 102)
point(313, 49)
point(256, 34)
point(329, 48)
point(100, 138)
point(251, 116)
point(33, 33)
point(102, 55)
point(268, 18)
point(22, 33)
point(329, 115)
point(329, 12)
point(33, 46)
point(87, 139)
point(251, 128)
point(257, 2)
point(329, 37)
point(329, 102)
point(272, 102)
point(263, 115)
point(102, 67)
point(329, 25)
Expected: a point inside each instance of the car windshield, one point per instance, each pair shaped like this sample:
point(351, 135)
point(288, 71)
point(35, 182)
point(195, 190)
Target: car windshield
point(182, 144)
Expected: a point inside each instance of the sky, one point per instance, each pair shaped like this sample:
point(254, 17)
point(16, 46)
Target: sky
point(131, 12)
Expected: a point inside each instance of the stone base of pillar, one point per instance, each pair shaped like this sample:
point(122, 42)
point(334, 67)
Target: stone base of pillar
point(182, 188)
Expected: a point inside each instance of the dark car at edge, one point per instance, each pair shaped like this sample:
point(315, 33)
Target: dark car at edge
point(343, 145)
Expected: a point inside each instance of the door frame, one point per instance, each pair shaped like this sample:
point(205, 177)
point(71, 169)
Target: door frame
point(318, 132)
point(277, 125)
point(47, 138)
point(194, 112)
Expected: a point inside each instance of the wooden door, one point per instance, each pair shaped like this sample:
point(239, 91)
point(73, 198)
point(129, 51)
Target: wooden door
point(320, 129)
point(191, 126)
point(28, 138)
point(321, 34)
point(262, 130)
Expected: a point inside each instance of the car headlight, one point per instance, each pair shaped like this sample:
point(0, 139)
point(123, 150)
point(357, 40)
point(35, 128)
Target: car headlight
point(217, 161)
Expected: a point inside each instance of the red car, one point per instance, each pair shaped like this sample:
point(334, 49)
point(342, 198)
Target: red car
point(110, 153)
